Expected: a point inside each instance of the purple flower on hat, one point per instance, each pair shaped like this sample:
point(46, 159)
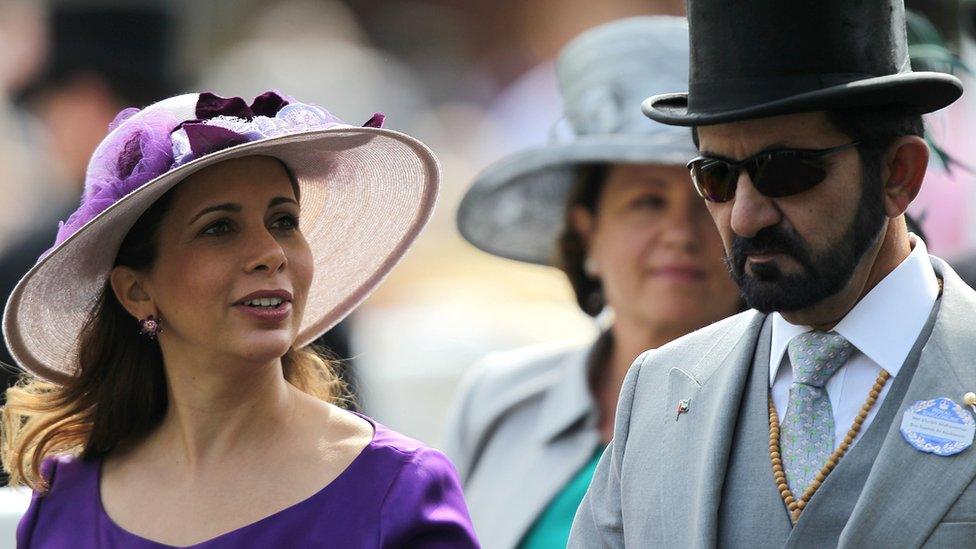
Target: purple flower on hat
point(144, 145)
point(131, 156)
point(210, 105)
point(226, 122)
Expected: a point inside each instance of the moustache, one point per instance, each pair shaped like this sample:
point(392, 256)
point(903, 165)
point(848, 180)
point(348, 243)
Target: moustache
point(774, 239)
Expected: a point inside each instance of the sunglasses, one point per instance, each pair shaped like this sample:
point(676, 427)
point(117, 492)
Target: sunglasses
point(775, 174)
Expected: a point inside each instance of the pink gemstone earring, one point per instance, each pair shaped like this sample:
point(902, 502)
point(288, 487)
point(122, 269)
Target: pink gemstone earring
point(149, 327)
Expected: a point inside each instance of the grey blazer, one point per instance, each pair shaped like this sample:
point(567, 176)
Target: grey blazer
point(659, 483)
point(524, 424)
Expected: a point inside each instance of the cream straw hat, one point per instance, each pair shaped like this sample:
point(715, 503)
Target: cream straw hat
point(365, 194)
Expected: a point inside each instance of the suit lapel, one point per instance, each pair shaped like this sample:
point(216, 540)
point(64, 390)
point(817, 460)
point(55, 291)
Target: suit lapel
point(907, 507)
point(713, 390)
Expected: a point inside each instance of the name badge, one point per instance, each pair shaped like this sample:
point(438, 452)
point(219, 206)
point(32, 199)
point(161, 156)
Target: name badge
point(938, 426)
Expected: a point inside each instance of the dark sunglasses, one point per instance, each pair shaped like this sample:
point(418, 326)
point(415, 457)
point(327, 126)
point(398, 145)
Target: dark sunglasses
point(776, 173)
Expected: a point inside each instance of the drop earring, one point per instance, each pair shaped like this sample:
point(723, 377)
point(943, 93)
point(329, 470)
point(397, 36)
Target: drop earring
point(149, 327)
point(590, 267)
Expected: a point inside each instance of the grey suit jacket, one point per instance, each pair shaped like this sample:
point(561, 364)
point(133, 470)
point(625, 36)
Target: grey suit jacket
point(659, 483)
point(524, 424)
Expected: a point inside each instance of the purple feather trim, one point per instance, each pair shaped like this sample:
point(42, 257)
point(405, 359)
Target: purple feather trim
point(123, 115)
point(138, 151)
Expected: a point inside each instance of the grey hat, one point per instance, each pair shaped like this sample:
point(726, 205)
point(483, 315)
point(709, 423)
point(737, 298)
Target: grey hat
point(516, 207)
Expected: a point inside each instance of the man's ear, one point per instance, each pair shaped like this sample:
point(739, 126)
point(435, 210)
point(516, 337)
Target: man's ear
point(130, 290)
point(903, 171)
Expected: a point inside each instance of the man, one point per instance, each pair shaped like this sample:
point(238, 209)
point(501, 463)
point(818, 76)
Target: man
point(835, 413)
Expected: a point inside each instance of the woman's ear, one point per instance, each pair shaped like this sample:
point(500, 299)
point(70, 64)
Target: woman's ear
point(583, 222)
point(129, 288)
point(904, 169)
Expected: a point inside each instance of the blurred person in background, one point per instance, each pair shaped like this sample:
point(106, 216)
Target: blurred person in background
point(938, 57)
point(165, 334)
point(101, 59)
point(274, 41)
point(529, 35)
point(614, 208)
point(23, 39)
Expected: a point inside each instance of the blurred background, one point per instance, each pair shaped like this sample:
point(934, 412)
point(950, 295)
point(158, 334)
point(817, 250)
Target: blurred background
point(472, 79)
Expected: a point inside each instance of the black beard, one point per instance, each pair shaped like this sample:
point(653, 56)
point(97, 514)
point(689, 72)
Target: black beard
point(822, 274)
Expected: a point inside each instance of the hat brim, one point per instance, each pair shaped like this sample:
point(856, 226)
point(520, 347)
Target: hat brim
point(366, 193)
point(515, 208)
point(916, 92)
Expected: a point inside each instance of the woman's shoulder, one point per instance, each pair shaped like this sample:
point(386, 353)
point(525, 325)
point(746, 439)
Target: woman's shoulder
point(423, 504)
point(512, 380)
point(68, 473)
point(399, 459)
point(68, 478)
point(72, 483)
point(531, 369)
point(396, 450)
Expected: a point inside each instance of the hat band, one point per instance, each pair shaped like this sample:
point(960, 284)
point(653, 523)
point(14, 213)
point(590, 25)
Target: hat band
point(727, 95)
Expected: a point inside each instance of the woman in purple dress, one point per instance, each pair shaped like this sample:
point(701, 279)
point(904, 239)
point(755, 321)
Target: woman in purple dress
point(171, 398)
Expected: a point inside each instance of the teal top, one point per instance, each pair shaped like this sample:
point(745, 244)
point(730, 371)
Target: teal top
point(552, 527)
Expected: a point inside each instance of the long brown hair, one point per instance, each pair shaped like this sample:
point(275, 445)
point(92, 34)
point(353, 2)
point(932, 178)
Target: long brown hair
point(119, 391)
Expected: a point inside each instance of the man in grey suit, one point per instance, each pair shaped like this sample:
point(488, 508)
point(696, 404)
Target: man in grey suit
point(839, 410)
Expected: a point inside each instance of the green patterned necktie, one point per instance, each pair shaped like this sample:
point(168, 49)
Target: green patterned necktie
point(807, 433)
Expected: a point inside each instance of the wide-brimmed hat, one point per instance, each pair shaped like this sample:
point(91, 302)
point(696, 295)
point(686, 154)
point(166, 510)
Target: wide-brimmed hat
point(365, 194)
point(759, 58)
point(516, 207)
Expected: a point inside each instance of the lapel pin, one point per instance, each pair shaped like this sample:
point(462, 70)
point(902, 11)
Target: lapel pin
point(683, 406)
point(939, 426)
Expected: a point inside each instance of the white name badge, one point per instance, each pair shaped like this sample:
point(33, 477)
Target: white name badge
point(938, 426)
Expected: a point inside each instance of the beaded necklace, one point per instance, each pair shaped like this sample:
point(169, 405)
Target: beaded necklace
point(794, 504)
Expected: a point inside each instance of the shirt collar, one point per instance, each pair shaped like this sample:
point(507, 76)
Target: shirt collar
point(885, 323)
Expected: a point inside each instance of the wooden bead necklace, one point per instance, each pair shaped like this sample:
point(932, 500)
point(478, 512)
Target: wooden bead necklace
point(794, 504)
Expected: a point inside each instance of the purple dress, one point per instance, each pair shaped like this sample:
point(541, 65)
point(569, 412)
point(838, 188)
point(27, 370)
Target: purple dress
point(396, 493)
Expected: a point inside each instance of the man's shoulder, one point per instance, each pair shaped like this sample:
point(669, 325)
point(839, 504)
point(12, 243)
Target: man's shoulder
point(957, 314)
point(695, 354)
point(956, 280)
point(699, 342)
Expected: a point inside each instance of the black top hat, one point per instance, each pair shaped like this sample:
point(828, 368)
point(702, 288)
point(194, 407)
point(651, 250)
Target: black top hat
point(128, 46)
point(759, 58)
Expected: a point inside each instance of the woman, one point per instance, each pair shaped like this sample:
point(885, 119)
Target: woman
point(613, 208)
point(172, 399)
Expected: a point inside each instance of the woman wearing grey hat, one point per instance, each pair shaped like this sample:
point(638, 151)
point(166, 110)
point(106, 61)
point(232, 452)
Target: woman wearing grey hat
point(614, 208)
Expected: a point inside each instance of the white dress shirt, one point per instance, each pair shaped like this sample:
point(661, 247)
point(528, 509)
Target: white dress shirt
point(883, 328)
